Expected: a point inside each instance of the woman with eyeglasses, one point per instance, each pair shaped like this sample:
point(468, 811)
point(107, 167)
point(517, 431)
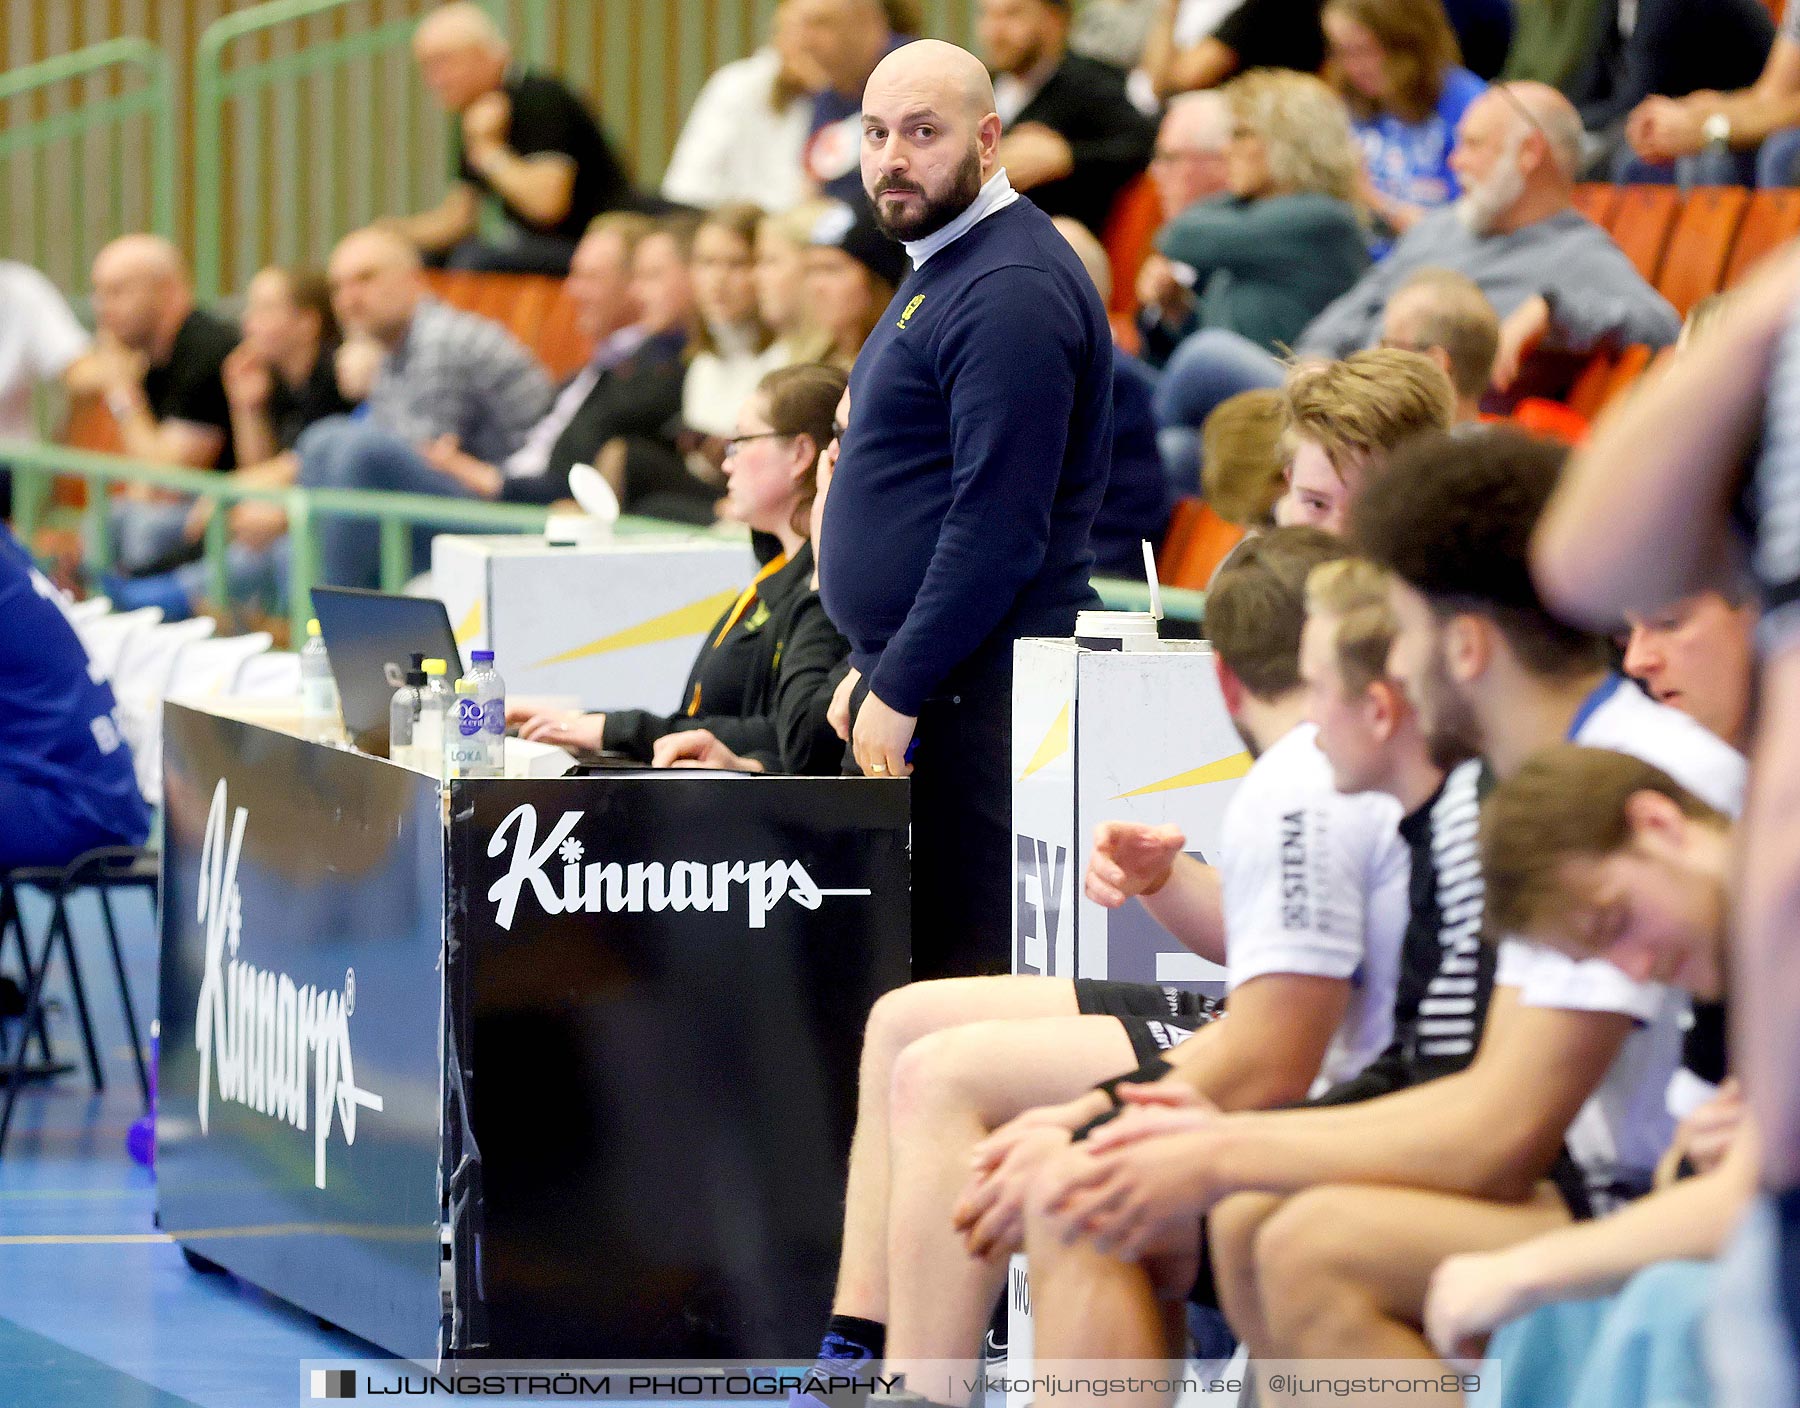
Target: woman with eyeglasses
point(771, 468)
point(814, 661)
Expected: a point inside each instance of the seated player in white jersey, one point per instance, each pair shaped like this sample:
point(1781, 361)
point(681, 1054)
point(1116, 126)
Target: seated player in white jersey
point(1342, 1214)
point(1314, 898)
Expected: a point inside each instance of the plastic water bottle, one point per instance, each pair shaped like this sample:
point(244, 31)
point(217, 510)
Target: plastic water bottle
point(465, 746)
point(490, 689)
point(318, 690)
point(403, 720)
point(435, 704)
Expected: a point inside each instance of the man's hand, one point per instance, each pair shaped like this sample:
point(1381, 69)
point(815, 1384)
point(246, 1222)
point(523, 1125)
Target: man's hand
point(1520, 333)
point(698, 748)
point(257, 523)
point(1167, 1106)
point(1034, 155)
point(442, 454)
point(991, 1212)
point(881, 738)
point(1661, 129)
point(1158, 289)
point(118, 369)
point(356, 366)
point(837, 714)
point(198, 517)
point(1707, 1133)
point(1470, 1296)
point(1130, 858)
point(1127, 1199)
point(248, 380)
point(485, 123)
point(566, 728)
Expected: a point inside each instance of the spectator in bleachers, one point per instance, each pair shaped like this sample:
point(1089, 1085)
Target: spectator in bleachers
point(771, 463)
point(746, 131)
point(1265, 259)
point(782, 240)
point(1070, 136)
point(1554, 43)
point(40, 345)
point(732, 348)
point(1135, 505)
point(158, 362)
point(658, 468)
point(279, 380)
point(1562, 288)
point(852, 270)
point(1191, 163)
point(839, 42)
point(448, 380)
point(1243, 469)
point(1343, 421)
point(1201, 43)
point(1669, 49)
point(532, 166)
point(1713, 137)
point(1396, 64)
point(1696, 655)
point(1445, 316)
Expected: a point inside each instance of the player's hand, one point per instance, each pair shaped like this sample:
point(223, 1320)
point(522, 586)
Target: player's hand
point(990, 1214)
point(880, 739)
point(1469, 1298)
point(1126, 1200)
point(1130, 858)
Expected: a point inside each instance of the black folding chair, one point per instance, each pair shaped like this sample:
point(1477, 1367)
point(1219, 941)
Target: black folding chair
point(105, 871)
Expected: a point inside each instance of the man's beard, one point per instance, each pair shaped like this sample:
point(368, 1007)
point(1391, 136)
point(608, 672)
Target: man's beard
point(1482, 205)
point(932, 215)
point(1452, 732)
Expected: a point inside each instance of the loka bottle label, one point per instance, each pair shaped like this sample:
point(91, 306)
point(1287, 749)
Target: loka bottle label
point(465, 748)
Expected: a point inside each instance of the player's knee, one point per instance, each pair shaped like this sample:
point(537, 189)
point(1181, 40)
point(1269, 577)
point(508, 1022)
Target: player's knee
point(931, 1076)
point(1308, 1301)
point(902, 1016)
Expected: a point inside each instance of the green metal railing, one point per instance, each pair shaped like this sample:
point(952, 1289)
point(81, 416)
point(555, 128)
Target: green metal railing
point(87, 151)
point(36, 465)
point(395, 513)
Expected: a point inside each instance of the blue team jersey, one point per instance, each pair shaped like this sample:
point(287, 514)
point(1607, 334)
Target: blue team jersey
point(61, 753)
point(1410, 161)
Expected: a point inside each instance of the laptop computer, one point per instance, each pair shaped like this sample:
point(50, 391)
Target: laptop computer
point(370, 637)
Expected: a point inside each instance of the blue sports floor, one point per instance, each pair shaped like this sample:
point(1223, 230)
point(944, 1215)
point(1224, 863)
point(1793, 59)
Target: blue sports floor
point(97, 1308)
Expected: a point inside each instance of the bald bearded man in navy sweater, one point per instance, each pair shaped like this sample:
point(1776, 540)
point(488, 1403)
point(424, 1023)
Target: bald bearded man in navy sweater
point(978, 449)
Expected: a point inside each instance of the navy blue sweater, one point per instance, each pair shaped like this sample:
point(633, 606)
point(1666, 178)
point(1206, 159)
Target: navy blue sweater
point(979, 446)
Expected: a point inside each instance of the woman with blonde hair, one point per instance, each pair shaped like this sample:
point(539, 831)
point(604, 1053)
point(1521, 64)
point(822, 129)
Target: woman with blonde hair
point(1397, 65)
point(1288, 237)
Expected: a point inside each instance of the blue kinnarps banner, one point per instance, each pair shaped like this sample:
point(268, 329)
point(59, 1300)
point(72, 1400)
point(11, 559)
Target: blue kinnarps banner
point(298, 1130)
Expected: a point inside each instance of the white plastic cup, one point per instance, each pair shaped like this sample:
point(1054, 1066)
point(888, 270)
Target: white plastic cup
point(1116, 630)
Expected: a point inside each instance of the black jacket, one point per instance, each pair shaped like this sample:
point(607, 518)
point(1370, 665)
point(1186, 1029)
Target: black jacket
point(636, 397)
point(732, 689)
point(1084, 102)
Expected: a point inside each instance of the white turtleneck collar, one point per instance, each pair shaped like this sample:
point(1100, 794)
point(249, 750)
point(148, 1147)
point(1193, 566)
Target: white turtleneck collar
point(995, 196)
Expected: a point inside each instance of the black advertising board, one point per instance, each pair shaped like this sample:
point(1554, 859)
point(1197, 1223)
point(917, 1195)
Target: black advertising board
point(298, 1127)
point(658, 986)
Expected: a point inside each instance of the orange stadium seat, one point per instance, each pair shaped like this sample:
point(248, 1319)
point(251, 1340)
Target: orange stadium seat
point(1130, 227)
point(1693, 267)
point(1773, 218)
point(1196, 543)
point(1641, 223)
point(1597, 201)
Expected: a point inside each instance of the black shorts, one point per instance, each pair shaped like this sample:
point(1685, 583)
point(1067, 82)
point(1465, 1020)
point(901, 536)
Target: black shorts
point(1157, 1019)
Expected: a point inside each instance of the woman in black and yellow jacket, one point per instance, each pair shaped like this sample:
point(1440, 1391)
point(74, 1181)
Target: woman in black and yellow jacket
point(770, 467)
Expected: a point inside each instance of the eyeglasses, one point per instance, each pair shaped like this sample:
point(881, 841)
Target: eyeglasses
point(1517, 104)
point(1168, 156)
point(838, 432)
point(737, 442)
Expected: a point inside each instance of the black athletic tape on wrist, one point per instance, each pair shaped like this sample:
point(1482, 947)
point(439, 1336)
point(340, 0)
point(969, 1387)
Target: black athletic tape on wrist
point(1149, 1073)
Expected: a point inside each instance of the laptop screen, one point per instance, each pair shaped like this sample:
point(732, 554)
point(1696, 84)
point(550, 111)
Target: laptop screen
point(371, 637)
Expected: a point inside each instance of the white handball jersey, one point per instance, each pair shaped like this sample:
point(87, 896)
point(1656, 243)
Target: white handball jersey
point(1315, 882)
point(1625, 1125)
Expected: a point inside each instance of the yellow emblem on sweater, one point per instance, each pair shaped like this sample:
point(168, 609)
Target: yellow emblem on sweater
point(911, 308)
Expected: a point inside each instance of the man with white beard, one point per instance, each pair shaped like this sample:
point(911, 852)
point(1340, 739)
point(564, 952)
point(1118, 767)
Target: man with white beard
point(1562, 288)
